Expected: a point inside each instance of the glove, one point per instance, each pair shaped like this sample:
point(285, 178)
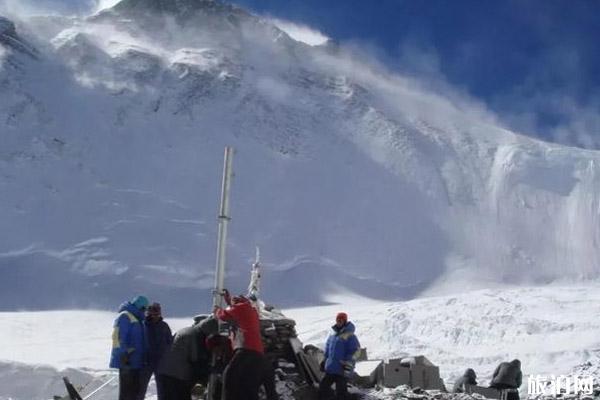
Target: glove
point(226, 296)
point(348, 368)
point(125, 359)
point(322, 366)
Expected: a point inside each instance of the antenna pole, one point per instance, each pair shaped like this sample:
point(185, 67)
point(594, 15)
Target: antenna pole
point(224, 219)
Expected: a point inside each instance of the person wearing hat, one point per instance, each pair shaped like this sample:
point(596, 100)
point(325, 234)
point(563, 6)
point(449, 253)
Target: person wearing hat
point(248, 367)
point(159, 338)
point(129, 346)
point(341, 350)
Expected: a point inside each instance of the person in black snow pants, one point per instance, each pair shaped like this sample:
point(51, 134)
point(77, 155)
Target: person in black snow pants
point(341, 351)
point(158, 339)
point(245, 373)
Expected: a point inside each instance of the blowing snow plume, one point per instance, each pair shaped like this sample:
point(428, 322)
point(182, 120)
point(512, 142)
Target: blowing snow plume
point(338, 161)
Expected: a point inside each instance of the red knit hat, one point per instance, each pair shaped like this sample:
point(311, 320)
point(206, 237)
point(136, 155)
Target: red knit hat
point(341, 316)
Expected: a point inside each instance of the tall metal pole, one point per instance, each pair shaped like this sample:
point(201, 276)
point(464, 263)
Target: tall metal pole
point(224, 219)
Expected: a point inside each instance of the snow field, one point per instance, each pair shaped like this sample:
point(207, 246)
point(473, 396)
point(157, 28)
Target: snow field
point(552, 330)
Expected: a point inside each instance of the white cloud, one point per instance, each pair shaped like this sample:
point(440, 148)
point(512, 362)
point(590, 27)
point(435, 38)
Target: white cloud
point(581, 126)
point(2, 54)
point(273, 89)
point(25, 8)
point(103, 4)
point(574, 122)
point(301, 33)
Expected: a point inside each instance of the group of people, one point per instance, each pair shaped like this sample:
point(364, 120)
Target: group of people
point(139, 340)
point(144, 346)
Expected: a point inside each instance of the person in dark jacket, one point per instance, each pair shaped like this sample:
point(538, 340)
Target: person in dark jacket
point(246, 371)
point(187, 360)
point(158, 338)
point(129, 346)
point(341, 351)
point(468, 378)
point(507, 376)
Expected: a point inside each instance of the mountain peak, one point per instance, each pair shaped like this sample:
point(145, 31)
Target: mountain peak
point(7, 27)
point(162, 5)
point(213, 13)
point(9, 38)
point(169, 7)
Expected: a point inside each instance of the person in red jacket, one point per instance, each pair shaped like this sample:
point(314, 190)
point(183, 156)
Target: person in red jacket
point(245, 372)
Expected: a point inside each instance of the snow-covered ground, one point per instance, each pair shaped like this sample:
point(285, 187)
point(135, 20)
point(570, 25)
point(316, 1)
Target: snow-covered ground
point(552, 330)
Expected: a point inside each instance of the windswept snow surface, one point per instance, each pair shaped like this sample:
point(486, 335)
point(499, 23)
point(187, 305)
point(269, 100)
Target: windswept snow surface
point(551, 330)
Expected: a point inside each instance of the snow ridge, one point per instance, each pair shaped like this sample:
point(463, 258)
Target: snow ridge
point(337, 160)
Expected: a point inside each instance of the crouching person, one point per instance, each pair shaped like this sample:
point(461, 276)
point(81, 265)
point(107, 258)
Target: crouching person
point(469, 378)
point(187, 361)
point(340, 351)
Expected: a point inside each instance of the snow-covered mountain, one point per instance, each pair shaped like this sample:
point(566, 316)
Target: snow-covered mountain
point(112, 131)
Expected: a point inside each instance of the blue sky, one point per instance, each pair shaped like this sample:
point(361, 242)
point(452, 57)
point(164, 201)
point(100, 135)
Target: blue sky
point(535, 63)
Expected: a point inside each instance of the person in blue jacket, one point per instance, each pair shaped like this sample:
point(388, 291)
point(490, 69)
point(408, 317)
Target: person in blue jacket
point(129, 346)
point(341, 350)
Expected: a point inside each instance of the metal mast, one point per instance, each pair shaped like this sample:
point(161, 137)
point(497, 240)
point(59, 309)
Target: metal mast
point(224, 219)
